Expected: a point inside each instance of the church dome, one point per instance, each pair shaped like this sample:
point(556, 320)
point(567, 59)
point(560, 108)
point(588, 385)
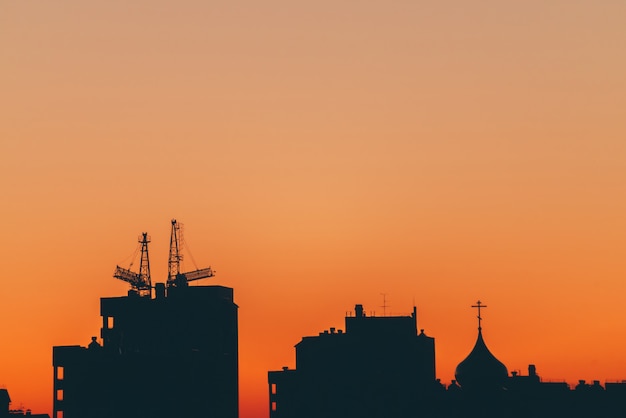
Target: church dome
point(481, 370)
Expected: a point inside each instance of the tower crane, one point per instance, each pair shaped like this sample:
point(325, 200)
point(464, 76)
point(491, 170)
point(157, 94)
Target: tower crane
point(140, 282)
point(176, 278)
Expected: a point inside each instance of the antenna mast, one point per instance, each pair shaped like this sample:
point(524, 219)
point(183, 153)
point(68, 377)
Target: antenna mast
point(384, 305)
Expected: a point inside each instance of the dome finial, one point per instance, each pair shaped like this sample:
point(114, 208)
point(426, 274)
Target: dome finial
point(479, 305)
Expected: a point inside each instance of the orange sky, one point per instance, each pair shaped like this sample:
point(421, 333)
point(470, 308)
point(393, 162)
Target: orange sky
point(320, 155)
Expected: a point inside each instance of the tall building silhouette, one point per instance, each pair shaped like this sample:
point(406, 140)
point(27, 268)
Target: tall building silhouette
point(171, 355)
point(379, 367)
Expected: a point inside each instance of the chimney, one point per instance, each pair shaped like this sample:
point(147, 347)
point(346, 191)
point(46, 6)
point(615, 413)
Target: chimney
point(160, 290)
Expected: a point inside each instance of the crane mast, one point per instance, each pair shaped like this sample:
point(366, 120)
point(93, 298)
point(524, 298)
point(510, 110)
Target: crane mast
point(176, 278)
point(173, 263)
point(139, 282)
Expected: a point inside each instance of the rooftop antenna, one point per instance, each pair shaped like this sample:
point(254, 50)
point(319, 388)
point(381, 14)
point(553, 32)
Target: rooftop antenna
point(478, 306)
point(384, 305)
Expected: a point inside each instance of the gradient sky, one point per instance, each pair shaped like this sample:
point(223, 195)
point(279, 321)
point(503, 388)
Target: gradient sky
point(320, 154)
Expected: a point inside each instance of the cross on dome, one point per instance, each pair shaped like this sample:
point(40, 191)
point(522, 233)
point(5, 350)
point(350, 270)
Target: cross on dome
point(478, 306)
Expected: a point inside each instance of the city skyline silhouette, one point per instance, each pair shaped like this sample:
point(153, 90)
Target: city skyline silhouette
point(322, 155)
point(172, 325)
point(382, 367)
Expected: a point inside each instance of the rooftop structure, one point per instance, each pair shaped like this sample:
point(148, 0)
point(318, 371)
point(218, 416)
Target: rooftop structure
point(380, 366)
point(481, 371)
point(171, 355)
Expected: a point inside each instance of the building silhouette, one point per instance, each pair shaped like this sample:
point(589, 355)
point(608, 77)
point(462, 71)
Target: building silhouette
point(5, 412)
point(484, 388)
point(171, 355)
point(381, 368)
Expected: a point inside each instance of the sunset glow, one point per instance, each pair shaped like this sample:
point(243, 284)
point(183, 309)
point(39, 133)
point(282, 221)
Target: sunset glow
point(319, 155)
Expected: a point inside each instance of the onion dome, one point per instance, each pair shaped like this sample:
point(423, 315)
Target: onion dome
point(481, 370)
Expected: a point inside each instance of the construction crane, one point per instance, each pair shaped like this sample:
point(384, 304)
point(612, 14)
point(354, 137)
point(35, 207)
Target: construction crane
point(139, 282)
point(176, 278)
